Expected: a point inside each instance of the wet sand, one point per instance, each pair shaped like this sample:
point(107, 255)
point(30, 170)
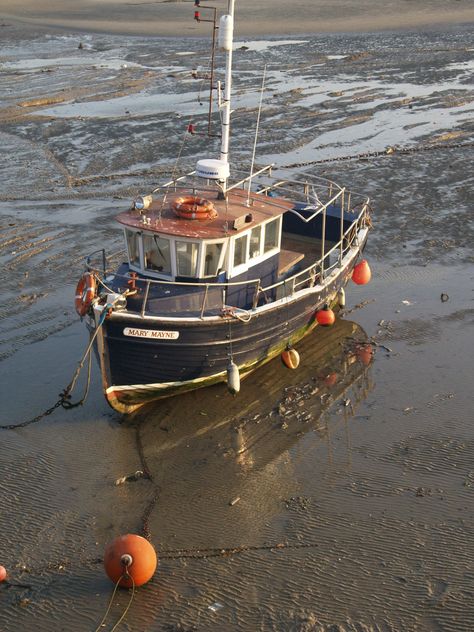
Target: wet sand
point(165, 17)
point(354, 474)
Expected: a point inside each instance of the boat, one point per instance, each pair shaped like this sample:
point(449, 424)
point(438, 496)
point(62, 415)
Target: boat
point(224, 270)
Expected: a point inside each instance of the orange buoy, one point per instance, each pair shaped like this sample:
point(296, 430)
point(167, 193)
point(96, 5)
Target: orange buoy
point(361, 273)
point(364, 354)
point(130, 559)
point(291, 358)
point(325, 316)
point(3, 573)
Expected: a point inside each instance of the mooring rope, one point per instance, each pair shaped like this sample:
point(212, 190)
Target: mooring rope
point(102, 623)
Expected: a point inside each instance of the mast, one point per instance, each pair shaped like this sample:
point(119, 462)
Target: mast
point(226, 36)
point(218, 169)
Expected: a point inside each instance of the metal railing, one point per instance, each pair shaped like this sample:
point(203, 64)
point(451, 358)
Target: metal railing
point(299, 191)
point(181, 299)
point(200, 299)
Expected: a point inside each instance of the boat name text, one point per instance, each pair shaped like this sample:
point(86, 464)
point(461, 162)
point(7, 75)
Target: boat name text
point(151, 333)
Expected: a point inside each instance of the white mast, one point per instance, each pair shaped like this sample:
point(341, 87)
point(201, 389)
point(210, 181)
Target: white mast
point(226, 37)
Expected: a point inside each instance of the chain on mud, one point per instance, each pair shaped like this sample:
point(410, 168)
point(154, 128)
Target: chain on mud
point(65, 396)
point(148, 475)
point(35, 419)
point(76, 183)
point(170, 555)
point(389, 151)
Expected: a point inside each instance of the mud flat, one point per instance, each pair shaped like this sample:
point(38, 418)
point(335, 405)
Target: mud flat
point(337, 497)
point(165, 17)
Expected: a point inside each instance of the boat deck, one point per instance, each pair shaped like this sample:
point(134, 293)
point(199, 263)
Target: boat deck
point(298, 251)
point(233, 214)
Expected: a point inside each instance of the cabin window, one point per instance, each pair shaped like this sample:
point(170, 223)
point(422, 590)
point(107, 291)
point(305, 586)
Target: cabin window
point(255, 242)
point(271, 235)
point(240, 250)
point(157, 253)
point(212, 258)
point(133, 244)
point(187, 253)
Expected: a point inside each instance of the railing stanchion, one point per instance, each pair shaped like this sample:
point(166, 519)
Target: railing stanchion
point(342, 226)
point(145, 298)
point(256, 294)
point(204, 301)
point(323, 243)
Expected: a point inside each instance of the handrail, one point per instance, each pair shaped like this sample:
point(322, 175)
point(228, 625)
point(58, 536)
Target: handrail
point(316, 181)
point(252, 175)
point(319, 261)
point(237, 283)
point(306, 277)
point(318, 211)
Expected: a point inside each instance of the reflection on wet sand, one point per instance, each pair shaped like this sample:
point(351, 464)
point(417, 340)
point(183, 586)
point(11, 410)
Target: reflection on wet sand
point(208, 444)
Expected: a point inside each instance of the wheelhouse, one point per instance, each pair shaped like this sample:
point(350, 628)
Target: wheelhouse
point(160, 255)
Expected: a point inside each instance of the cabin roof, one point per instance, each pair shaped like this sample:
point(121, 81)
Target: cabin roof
point(165, 221)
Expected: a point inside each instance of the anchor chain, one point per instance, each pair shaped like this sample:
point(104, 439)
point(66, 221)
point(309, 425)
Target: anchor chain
point(65, 396)
point(146, 531)
point(390, 151)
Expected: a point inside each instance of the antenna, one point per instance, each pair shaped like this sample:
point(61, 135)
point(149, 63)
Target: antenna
point(256, 133)
point(215, 28)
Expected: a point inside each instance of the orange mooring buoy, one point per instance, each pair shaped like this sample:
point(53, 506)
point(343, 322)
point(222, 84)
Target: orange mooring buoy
point(361, 273)
point(291, 358)
point(3, 573)
point(325, 316)
point(131, 558)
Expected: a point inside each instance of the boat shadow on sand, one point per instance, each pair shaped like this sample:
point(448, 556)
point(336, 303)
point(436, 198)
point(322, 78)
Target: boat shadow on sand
point(206, 449)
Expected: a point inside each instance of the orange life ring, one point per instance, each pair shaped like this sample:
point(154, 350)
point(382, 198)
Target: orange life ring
point(85, 292)
point(193, 207)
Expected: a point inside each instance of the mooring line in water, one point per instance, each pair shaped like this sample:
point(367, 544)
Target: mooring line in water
point(65, 396)
point(390, 151)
